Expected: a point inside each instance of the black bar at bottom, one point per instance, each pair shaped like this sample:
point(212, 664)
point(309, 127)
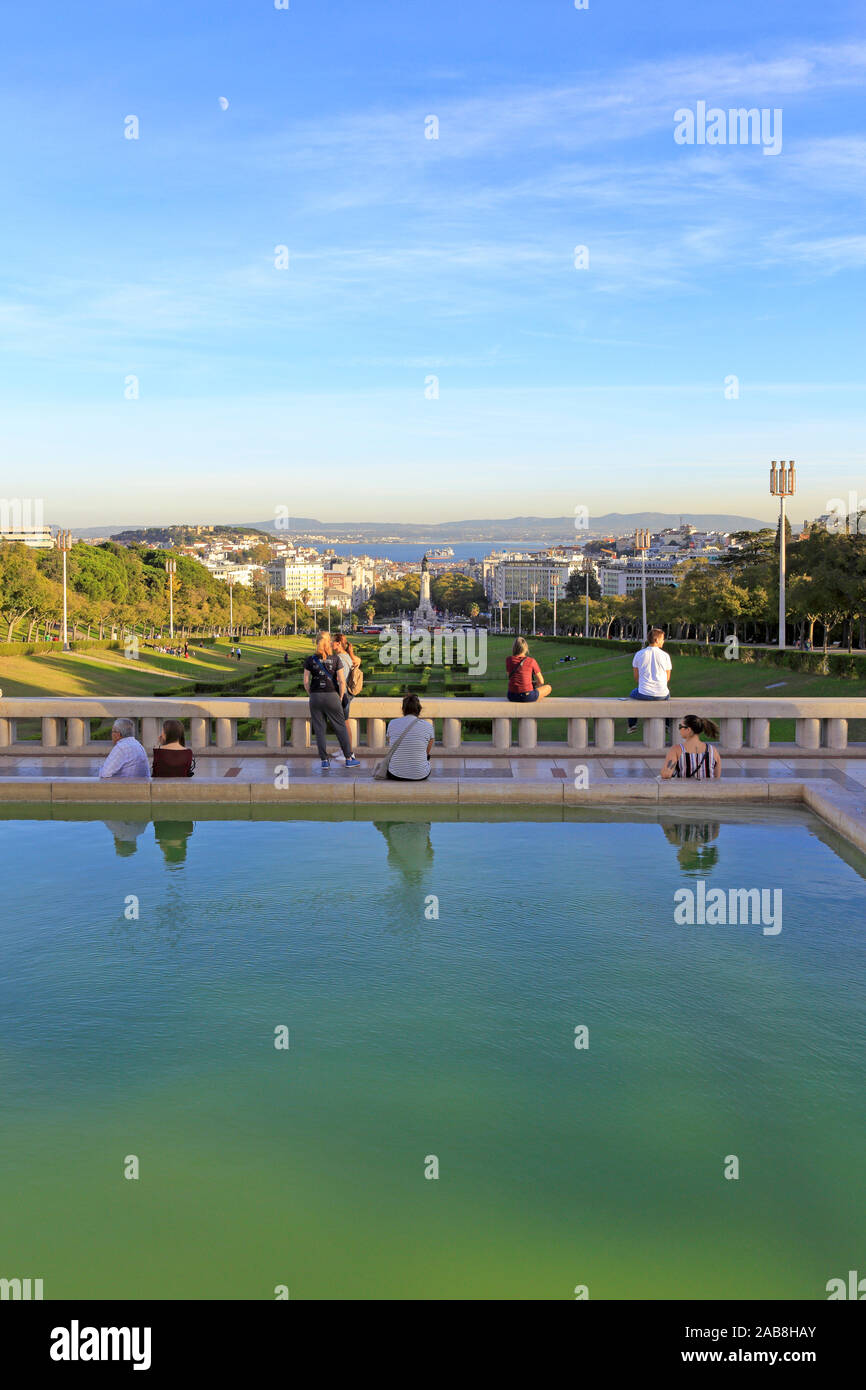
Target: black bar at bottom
point(66, 1338)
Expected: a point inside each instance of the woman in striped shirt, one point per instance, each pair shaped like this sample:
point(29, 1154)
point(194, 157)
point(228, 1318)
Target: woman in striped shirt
point(692, 757)
point(411, 761)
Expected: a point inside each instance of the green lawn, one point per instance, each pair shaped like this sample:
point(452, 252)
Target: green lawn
point(594, 673)
point(110, 673)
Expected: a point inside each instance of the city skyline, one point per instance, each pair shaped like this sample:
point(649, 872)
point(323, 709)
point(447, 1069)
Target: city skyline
point(281, 292)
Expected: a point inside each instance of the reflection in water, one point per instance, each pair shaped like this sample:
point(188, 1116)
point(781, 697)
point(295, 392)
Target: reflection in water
point(126, 833)
point(410, 849)
point(696, 852)
point(171, 836)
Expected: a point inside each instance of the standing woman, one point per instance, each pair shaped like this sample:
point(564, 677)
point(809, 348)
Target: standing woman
point(692, 757)
point(325, 684)
point(350, 662)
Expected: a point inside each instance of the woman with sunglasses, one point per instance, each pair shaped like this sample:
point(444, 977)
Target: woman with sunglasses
point(692, 757)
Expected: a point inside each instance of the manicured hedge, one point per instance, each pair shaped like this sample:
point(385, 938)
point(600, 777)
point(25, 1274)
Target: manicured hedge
point(82, 645)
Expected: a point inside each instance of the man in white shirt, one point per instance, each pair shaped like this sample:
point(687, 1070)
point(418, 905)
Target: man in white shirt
point(127, 758)
point(652, 672)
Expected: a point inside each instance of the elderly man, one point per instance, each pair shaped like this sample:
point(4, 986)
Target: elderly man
point(127, 758)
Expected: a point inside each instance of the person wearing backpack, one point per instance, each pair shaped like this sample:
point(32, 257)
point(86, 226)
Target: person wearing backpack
point(351, 665)
point(325, 684)
point(525, 681)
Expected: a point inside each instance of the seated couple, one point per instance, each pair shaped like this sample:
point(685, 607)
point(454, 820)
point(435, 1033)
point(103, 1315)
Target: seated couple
point(129, 759)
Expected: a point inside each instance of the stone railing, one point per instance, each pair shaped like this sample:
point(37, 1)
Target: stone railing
point(33, 726)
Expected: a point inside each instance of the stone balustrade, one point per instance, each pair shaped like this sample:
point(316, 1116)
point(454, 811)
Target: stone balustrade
point(52, 725)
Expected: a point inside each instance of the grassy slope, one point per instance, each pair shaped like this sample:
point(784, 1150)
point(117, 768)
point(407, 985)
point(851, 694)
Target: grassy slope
point(595, 673)
point(110, 673)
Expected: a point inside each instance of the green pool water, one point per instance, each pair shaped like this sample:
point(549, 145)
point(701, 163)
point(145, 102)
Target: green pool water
point(413, 1035)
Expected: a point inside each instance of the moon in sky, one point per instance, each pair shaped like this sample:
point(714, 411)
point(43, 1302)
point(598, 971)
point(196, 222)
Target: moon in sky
point(224, 103)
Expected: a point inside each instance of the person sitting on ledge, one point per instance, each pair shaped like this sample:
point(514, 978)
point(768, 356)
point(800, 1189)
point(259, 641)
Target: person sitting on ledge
point(693, 757)
point(410, 762)
point(127, 758)
point(172, 758)
point(525, 681)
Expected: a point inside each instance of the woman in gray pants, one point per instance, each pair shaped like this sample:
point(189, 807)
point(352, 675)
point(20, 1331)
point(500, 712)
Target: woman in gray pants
point(325, 683)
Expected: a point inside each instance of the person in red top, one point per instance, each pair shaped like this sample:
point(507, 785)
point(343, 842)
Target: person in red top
point(172, 758)
point(525, 681)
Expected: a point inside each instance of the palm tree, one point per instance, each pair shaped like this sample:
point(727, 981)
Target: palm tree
point(369, 611)
point(305, 600)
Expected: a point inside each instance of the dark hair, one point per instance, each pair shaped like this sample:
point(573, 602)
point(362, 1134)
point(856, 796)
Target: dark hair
point(411, 703)
point(700, 726)
point(654, 634)
point(341, 640)
point(173, 730)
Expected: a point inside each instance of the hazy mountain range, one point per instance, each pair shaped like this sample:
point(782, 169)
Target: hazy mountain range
point(542, 530)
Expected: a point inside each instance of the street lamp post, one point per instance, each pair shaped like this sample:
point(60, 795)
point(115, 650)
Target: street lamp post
point(534, 597)
point(231, 610)
point(782, 485)
point(586, 619)
point(171, 570)
point(642, 544)
point(64, 540)
point(296, 615)
point(268, 592)
point(500, 616)
point(554, 579)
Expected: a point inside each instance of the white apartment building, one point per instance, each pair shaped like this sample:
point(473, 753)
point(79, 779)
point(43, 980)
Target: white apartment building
point(513, 581)
point(293, 578)
point(625, 576)
point(230, 573)
point(35, 537)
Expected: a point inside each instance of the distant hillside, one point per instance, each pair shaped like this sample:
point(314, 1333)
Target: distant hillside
point(516, 528)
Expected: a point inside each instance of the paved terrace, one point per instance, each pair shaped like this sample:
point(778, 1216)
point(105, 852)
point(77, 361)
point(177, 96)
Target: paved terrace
point(820, 768)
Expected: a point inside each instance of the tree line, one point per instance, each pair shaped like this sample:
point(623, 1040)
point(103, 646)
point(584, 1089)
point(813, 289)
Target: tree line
point(112, 587)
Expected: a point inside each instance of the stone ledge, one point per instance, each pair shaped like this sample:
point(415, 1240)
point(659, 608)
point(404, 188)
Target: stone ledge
point(843, 811)
point(265, 793)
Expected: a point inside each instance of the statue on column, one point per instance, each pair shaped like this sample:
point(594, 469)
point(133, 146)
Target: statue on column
point(425, 613)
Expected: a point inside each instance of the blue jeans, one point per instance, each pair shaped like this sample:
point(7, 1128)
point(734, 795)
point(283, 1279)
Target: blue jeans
point(636, 695)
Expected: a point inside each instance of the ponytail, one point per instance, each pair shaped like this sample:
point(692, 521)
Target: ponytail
point(701, 726)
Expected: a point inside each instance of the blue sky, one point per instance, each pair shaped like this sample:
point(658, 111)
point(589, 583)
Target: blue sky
point(409, 258)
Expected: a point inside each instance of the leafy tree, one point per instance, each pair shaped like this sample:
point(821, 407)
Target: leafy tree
point(456, 592)
point(576, 586)
point(23, 589)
